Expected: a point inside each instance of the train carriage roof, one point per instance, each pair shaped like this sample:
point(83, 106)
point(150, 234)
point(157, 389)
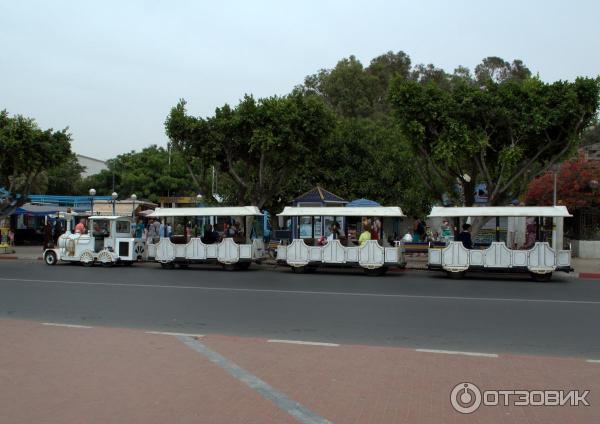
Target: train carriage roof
point(492, 211)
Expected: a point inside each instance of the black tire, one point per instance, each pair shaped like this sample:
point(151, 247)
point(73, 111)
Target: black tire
point(243, 265)
point(167, 265)
point(455, 275)
point(127, 263)
point(50, 258)
point(376, 271)
point(542, 278)
point(299, 269)
point(229, 267)
point(88, 264)
point(183, 265)
point(107, 264)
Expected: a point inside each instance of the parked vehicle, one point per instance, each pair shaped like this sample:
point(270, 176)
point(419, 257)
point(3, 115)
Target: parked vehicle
point(108, 241)
point(230, 236)
point(539, 259)
point(309, 249)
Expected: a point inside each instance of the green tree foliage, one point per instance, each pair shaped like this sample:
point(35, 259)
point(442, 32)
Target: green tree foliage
point(148, 174)
point(64, 178)
point(354, 91)
point(366, 158)
point(259, 144)
point(503, 132)
point(367, 155)
point(27, 152)
point(496, 69)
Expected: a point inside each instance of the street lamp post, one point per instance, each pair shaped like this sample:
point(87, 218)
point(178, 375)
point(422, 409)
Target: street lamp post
point(92, 194)
point(134, 198)
point(114, 196)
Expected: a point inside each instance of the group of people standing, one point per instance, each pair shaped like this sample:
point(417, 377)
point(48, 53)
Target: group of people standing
point(422, 233)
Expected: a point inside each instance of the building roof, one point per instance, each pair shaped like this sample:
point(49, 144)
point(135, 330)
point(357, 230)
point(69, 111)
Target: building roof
point(376, 211)
point(92, 159)
point(319, 194)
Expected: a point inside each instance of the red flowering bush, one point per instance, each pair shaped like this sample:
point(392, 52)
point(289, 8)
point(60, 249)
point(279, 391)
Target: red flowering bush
point(577, 185)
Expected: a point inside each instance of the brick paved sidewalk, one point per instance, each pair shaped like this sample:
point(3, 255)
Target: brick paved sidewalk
point(96, 375)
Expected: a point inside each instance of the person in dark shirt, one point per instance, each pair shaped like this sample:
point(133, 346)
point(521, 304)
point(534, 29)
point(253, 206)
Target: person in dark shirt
point(465, 236)
point(210, 236)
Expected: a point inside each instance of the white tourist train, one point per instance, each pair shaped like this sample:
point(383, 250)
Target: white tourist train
point(540, 260)
point(107, 242)
point(304, 253)
point(231, 252)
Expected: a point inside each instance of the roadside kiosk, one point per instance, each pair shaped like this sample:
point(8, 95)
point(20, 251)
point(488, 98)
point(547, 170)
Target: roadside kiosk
point(304, 252)
point(236, 252)
point(540, 260)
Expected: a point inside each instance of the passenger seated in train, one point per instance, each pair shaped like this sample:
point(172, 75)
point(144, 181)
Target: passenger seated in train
point(365, 235)
point(233, 230)
point(336, 232)
point(210, 236)
point(465, 236)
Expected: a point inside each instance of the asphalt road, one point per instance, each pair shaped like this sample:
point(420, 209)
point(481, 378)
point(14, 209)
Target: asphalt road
point(411, 309)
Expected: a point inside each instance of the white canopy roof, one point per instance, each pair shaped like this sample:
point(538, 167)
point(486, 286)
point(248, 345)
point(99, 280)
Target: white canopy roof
point(213, 211)
point(377, 211)
point(108, 217)
point(548, 211)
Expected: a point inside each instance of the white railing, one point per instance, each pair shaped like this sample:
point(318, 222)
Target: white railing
point(370, 255)
point(539, 259)
point(226, 252)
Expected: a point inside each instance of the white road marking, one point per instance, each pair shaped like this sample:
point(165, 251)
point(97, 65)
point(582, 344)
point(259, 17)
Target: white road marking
point(307, 292)
point(167, 333)
point(300, 342)
point(280, 399)
point(456, 352)
point(56, 324)
point(593, 361)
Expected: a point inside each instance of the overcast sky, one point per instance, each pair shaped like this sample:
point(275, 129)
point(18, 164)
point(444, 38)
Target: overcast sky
point(111, 70)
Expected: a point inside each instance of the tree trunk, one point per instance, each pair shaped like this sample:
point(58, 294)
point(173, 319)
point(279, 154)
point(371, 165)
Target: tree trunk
point(477, 223)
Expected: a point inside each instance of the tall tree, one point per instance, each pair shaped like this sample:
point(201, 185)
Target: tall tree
point(65, 178)
point(259, 144)
point(26, 152)
point(149, 174)
point(503, 134)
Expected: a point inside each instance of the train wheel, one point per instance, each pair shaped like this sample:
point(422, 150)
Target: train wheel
point(375, 271)
point(167, 265)
point(299, 269)
point(50, 258)
point(455, 275)
point(87, 258)
point(542, 278)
